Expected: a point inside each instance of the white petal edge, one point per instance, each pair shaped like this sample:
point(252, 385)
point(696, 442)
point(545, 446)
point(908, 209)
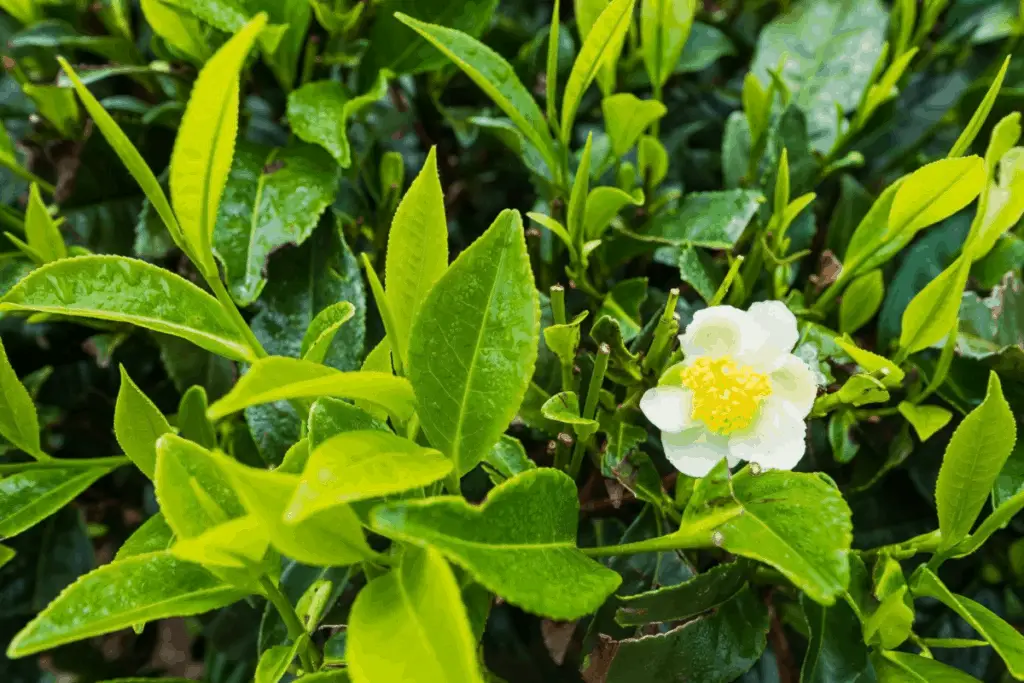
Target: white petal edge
point(719, 331)
point(794, 382)
point(776, 440)
point(777, 334)
point(668, 407)
point(695, 452)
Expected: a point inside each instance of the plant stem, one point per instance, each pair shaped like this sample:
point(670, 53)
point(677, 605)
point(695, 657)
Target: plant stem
point(668, 326)
point(308, 655)
point(699, 534)
point(590, 408)
point(65, 464)
point(558, 313)
point(228, 304)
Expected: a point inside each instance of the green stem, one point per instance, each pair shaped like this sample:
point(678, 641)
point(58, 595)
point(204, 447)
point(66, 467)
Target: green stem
point(723, 289)
point(65, 464)
point(308, 655)
point(697, 535)
point(668, 327)
point(558, 314)
point(900, 551)
point(228, 304)
point(590, 408)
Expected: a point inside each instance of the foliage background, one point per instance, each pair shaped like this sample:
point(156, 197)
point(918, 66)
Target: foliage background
point(888, 476)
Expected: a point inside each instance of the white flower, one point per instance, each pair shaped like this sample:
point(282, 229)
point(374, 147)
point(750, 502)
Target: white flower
point(739, 394)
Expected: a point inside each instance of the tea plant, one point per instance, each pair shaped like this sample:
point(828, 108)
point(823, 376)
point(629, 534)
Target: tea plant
point(693, 350)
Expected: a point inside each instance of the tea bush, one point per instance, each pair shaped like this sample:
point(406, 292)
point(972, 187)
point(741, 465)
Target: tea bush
point(459, 341)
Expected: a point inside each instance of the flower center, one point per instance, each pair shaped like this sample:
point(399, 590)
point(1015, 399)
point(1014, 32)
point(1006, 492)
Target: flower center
point(725, 395)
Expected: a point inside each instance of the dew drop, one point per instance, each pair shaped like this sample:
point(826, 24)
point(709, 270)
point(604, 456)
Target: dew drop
point(755, 469)
point(717, 538)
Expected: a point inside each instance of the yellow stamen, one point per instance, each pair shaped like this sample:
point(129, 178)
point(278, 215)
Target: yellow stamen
point(725, 395)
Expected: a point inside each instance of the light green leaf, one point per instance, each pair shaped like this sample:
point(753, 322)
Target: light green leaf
point(56, 105)
point(29, 497)
point(127, 290)
point(411, 625)
point(138, 423)
point(321, 331)
point(332, 537)
point(19, 423)
point(329, 417)
point(277, 379)
point(933, 193)
point(826, 49)
point(474, 344)
point(563, 340)
point(25, 11)
point(664, 28)
point(973, 127)
point(626, 117)
point(903, 667)
point(272, 197)
point(891, 374)
point(358, 465)
point(685, 600)
point(274, 662)
point(795, 522)
point(698, 270)
point(520, 543)
point(153, 536)
point(975, 455)
point(119, 595)
point(861, 301)
point(179, 30)
point(130, 157)
point(933, 311)
point(926, 420)
point(41, 231)
point(495, 77)
point(603, 42)
point(237, 544)
point(651, 160)
point(1004, 638)
point(507, 459)
point(6, 555)
point(603, 204)
point(578, 197)
point(205, 143)
point(556, 228)
point(417, 250)
point(565, 408)
point(319, 112)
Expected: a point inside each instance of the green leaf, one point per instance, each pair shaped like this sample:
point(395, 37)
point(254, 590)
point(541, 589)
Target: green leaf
point(826, 49)
point(1004, 638)
point(359, 465)
point(321, 331)
point(495, 77)
point(411, 625)
point(651, 160)
point(973, 127)
point(27, 498)
point(194, 494)
point(126, 290)
point(975, 455)
point(329, 417)
point(474, 344)
point(926, 420)
point(205, 143)
point(191, 418)
point(603, 205)
point(624, 366)
point(890, 622)
point(703, 592)
point(861, 301)
point(507, 459)
point(277, 379)
point(565, 408)
point(578, 198)
point(836, 652)
point(179, 30)
point(626, 117)
point(892, 375)
point(25, 11)
point(520, 543)
point(623, 303)
point(41, 231)
point(714, 220)
point(19, 423)
point(664, 28)
point(417, 253)
point(903, 667)
point(271, 197)
point(138, 423)
point(119, 595)
point(698, 270)
point(333, 537)
point(6, 555)
point(237, 544)
point(319, 112)
point(603, 42)
point(717, 648)
point(795, 522)
point(153, 536)
point(932, 313)
point(274, 662)
point(705, 46)
point(563, 340)
point(393, 47)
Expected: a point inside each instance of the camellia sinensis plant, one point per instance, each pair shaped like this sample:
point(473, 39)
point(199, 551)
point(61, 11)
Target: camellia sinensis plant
point(693, 350)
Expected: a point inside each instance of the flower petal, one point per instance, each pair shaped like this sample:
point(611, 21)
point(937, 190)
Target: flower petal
point(777, 334)
point(794, 382)
point(668, 407)
point(719, 331)
point(695, 452)
point(776, 439)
